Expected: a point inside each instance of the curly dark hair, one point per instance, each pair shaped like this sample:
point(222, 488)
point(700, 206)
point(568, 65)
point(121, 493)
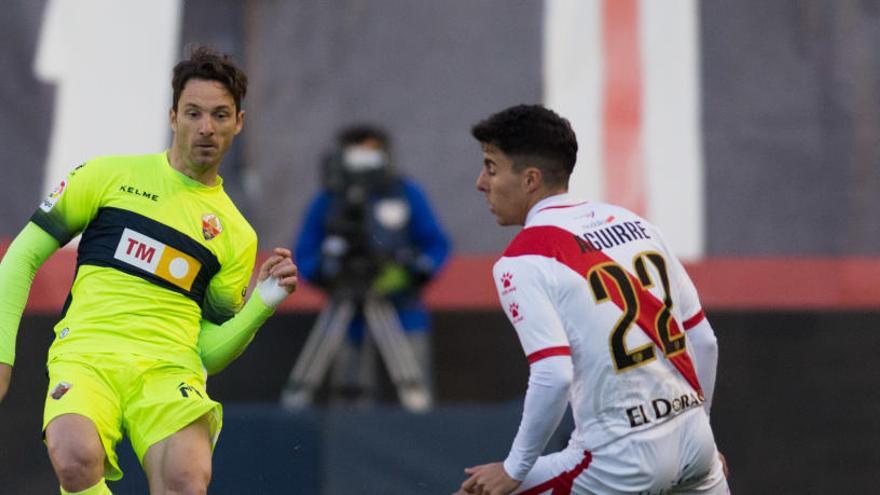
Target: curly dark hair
point(532, 135)
point(207, 64)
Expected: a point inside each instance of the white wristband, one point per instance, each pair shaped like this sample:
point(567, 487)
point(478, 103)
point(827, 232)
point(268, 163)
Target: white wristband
point(270, 292)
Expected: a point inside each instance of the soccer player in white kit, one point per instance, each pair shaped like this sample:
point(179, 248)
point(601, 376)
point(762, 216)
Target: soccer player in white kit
point(610, 323)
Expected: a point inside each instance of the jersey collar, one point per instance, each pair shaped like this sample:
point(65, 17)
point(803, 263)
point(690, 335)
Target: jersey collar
point(189, 181)
point(564, 200)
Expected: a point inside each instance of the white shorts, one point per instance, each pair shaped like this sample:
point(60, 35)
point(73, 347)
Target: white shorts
point(676, 457)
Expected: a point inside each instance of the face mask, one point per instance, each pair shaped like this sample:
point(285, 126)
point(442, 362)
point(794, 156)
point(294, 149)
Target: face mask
point(357, 159)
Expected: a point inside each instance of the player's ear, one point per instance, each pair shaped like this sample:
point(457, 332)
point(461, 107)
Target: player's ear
point(172, 119)
point(239, 121)
point(532, 179)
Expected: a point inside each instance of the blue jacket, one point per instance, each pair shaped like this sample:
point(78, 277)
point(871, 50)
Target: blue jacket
point(424, 236)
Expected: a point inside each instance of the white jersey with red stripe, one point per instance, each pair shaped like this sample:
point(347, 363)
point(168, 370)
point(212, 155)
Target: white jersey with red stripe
point(597, 282)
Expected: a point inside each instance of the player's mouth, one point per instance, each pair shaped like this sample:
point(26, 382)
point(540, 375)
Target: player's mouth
point(206, 146)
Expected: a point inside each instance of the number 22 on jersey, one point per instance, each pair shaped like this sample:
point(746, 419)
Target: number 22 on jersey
point(639, 307)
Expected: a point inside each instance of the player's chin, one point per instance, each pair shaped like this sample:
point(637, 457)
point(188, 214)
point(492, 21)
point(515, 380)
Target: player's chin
point(502, 221)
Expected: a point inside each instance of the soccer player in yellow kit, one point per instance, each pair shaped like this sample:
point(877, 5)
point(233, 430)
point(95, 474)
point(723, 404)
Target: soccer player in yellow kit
point(158, 298)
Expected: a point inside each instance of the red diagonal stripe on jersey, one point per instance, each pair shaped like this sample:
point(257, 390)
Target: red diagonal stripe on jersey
point(557, 243)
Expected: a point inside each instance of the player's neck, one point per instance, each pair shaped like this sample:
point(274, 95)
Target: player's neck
point(206, 175)
point(536, 197)
point(542, 194)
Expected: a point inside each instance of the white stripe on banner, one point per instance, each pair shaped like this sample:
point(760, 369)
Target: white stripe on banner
point(672, 131)
point(572, 74)
point(644, 154)
point(111, 64)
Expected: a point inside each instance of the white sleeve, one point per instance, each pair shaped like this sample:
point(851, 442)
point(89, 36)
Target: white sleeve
point(705, 348)
point(524, 286)
point(545, 402)
point(684, 293)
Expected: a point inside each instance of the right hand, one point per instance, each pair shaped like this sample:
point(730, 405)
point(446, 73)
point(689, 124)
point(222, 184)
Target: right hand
point(392, 278)
point(280, 265)
point(5, 377)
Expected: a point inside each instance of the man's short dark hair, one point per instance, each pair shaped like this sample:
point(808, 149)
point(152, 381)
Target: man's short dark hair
point(209, 65)
point(358, 133)
point(532, 135)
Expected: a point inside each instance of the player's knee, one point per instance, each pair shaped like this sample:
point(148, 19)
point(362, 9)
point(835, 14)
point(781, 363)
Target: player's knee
point(189, 480)
point(77, 467)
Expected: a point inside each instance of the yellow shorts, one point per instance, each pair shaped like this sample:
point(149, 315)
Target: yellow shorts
point(144, 398)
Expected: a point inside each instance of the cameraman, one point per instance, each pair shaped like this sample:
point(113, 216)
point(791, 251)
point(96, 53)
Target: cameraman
point(370, 230)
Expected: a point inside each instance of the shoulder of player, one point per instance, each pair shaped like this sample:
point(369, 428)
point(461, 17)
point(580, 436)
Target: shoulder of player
point(108, 165)
point(236, 219)
point(237, 227)
point(540, 239)
point(534, 247)
point(611, 212)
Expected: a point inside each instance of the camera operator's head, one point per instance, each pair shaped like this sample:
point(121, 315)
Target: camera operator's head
point(361, 159)
point(364, 136)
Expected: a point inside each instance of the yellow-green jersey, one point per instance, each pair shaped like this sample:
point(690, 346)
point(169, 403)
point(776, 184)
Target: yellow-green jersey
point(159, 252)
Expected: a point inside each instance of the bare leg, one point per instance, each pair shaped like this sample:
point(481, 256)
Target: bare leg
point(76, 451)
point(181, 463)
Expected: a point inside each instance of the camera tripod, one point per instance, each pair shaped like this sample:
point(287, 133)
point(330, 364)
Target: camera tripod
point(327, 338)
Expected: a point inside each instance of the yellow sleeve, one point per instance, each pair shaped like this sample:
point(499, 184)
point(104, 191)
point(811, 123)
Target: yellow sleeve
point(219, 345)
point(73, 203)
point(226, 290)
point(30, 249)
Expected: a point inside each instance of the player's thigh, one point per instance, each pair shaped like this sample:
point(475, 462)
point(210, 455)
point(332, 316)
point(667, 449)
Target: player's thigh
point(169, 400)
point(182, 459)
point(82, 416)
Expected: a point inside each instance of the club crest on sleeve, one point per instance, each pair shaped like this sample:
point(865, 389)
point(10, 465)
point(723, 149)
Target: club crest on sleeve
point(59, 390)
point(507, 284)
point(515, 315)
point(211, 226)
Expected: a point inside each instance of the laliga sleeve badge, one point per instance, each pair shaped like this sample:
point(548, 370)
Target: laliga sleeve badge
point(60, 389)
point(53, 197)
point(211, 227)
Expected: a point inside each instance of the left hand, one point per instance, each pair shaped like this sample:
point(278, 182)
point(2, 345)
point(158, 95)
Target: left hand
point(488, 479)
point(280, 265)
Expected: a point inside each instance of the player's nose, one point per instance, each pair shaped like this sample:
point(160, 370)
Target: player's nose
point(206, 127)
point(481, 181)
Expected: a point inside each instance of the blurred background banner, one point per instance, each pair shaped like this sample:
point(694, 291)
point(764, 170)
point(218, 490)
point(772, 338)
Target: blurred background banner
point(740, 128)
point(748, 131)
